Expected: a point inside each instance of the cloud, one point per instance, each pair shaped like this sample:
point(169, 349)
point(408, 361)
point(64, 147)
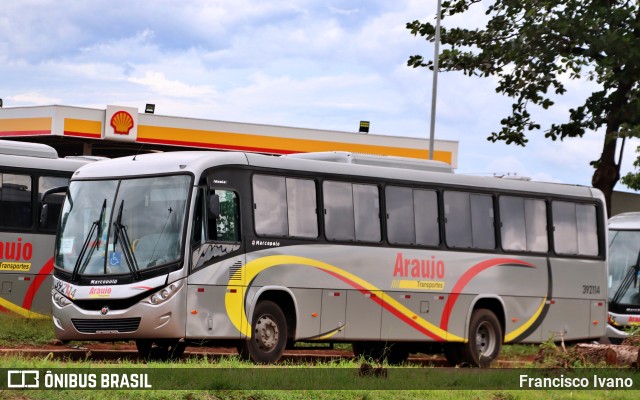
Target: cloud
point(296, 63)
point(157, 82)
point(33, 98)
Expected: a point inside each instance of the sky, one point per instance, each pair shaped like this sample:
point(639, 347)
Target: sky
point(301, 63)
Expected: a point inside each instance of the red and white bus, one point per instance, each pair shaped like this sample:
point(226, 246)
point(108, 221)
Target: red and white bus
point(392, 255)
point(27, 172)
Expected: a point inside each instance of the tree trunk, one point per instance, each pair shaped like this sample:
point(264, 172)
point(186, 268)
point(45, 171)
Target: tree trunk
point(607, 172)
point(609, 353)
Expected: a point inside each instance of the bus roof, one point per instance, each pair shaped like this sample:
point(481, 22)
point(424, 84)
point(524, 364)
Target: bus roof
point(198, 161)
point(38, 150)
point(625, 221)
point(37, 156)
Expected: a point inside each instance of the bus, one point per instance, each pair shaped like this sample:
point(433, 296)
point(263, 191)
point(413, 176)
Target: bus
point(392, 255)
point(27, 172)
point(624, 275)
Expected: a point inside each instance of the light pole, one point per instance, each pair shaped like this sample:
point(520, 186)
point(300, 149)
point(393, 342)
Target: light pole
point(434, 92)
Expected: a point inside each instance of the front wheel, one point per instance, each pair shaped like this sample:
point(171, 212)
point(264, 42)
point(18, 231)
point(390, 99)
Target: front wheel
point(485, 339)
point(269, 334)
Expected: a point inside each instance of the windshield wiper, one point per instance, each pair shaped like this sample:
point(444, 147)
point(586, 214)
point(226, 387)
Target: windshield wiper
point(630, 277)
point(121, 232)
point(96, 225)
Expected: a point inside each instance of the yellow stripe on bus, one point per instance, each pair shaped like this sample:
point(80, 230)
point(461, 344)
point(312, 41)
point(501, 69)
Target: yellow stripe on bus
point(20, 310)
point(235, 302)
point(514, 334)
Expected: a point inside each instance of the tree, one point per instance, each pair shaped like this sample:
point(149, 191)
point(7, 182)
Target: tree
point(532, 46)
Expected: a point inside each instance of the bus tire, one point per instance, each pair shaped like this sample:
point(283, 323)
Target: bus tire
point(485, 339)
point(268, 334)
point(160, 349)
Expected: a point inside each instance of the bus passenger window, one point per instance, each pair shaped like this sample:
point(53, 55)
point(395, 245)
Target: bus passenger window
point(469, 220)
point(575, 228)
point(285, 206)
point(15, 201)
point(270, 205)
point(366, 203)
point(352, 211)
point(412, 216)
point(523, 224)
point(338, 219)
point(227, 227)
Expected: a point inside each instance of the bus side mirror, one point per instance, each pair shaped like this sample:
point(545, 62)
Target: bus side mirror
point(214, 206)
point(44, 214)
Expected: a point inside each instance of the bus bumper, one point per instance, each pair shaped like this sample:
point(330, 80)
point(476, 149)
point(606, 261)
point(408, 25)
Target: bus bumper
point(614, 333)
point(142, 320)
point(620, 323)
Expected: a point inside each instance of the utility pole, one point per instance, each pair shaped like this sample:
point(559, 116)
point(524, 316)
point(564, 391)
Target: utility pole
point(434, 93)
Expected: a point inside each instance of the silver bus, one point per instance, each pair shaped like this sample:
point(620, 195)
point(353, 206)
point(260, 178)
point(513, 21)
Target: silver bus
point(624, 275)
point(392, 255)
point(28, 171)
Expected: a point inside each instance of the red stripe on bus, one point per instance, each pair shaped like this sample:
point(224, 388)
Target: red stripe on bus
point(466, 278)
point(387, 307)
point(44, 272)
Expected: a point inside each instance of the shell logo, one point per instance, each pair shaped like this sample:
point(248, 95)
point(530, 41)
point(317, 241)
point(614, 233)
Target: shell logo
point(122, 122)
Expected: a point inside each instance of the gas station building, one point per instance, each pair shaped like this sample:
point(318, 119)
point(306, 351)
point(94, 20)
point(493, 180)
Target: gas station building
point(119, 131)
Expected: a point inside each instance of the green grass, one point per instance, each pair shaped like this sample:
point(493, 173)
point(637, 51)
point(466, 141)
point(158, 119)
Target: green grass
point(514, 351)
point(16, 330)
point(237, 370)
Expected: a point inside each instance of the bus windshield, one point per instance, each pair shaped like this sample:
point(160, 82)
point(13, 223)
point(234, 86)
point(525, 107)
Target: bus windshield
point(122, 226)
point(624, 251)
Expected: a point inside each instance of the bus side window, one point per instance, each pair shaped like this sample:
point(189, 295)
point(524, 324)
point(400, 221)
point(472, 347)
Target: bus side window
point(225, 226)
point(199, 233)
point(15, 201)
point(54, 201)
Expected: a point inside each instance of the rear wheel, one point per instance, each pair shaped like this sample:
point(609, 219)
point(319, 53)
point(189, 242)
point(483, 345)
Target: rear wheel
point(160, 349)
point(485, 339)
point(269, 334)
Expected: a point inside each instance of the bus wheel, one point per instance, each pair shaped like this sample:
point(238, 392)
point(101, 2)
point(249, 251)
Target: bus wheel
point(160, 349)
point(269, 334)
point(485, 339)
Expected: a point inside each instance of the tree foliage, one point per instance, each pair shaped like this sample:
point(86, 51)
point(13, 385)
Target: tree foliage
point(534, 47)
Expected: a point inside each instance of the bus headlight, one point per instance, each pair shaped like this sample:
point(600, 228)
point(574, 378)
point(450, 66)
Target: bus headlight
point(164, 294)
point(59, 299)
